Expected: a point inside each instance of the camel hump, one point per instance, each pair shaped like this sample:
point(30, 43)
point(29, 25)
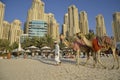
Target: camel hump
point(107, 39)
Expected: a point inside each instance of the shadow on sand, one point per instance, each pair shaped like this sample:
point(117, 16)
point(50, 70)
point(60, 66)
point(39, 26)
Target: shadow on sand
point(51, 61)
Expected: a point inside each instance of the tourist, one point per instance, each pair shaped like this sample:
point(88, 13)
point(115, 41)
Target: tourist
point(57, 53)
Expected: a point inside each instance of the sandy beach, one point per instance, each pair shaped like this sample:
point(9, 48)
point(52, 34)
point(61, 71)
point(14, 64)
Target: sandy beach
point(45, 69)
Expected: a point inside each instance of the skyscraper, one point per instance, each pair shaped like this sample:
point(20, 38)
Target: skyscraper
point(83, 22)
point(55, 32)
point(73, 21)
point(2, 9)
point(100, 26)
point(53, 26)
point(65, 25)
point(6, 30)
point(36, 12)
point(9, 31)
point(116, 26)
point(15, 31)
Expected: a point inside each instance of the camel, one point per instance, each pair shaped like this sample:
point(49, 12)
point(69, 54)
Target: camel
point(106, 47)
point(81, 48)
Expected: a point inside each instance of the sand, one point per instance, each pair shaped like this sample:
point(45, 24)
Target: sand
point(45, 69)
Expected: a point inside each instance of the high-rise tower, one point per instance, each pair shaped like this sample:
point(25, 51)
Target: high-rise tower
point(15, 31)
point(6, 30)
point(100, 26)
point(73, 23)
point(116, 26)
point(65, 25)
point(36, 12)
point(2, 9)
point(83, 22)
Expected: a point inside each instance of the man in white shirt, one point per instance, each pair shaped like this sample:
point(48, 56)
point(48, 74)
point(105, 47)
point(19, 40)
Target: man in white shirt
point(57, 53)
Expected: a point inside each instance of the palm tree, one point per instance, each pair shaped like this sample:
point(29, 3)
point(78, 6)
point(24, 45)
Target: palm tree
point(4, 44)
point(46, 40)
point(14, 45)
point(49, 40)
point(26, 43)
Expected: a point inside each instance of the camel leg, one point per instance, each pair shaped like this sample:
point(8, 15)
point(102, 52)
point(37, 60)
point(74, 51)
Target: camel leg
point(88, 57)
point(77, 57)
point(117, 61)
point(94, 59)
point(113, 54)
point(115, 57)
point(98, 59)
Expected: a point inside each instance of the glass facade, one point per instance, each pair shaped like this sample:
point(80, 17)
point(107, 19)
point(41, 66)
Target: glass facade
point(23, 37)
point(37, 28)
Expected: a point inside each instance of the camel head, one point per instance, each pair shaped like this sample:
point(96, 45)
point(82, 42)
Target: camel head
point(62, 37)
point(80, 35)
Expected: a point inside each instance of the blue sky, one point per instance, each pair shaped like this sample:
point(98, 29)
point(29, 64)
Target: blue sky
point(17, 9)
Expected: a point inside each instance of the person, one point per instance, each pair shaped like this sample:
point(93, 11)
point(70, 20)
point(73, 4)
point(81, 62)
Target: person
point(57, 53)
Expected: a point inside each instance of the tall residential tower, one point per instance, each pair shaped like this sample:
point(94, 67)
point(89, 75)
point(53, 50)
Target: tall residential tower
point(6, 30)
point(73, 21)
point(65, 25)
point(36, 12)
point(15, 31)
point(100, 26)
point(116, 26)
point(2, 9)
point(83, 23)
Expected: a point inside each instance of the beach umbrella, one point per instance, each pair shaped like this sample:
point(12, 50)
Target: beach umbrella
point(16, 50)
point(28, 51)
point(45, 47)
point(38, 50)
point(46, 50)
point(32, 47)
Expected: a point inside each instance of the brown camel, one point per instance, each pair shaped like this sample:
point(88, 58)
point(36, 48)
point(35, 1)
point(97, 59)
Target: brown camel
point(106, 47)
point(78, 46)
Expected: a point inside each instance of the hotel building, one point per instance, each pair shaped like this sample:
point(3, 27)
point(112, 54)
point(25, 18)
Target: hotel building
point(100, 26)
point(116, 26)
